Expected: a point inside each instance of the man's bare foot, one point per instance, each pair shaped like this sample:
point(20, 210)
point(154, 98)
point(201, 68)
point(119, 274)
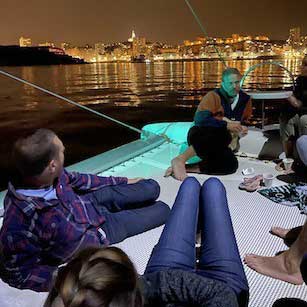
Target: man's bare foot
point(178, 169)
point(168, 172)
point(279, 232)
point(288, 235)
point(279, 267)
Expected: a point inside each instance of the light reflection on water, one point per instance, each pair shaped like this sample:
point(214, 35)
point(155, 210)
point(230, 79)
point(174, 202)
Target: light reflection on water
point(170, 85)
point(136, 93)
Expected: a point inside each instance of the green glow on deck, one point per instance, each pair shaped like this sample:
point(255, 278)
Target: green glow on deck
point(175, 132)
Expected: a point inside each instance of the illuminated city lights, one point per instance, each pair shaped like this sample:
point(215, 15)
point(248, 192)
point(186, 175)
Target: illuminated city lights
point(138, 49)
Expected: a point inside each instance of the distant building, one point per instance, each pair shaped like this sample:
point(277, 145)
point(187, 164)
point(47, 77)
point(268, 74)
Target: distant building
point(133, 36)
point(66, 46)
point(138, 46)
point(294, 36)
point(25, 42)
point(46, 44)
point(100, 48)
point(235, 38)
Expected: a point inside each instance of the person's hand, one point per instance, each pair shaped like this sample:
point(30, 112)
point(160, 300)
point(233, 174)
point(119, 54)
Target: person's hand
point(134, 180)
point(296, 103)
point(244, 131)
point(234, 126)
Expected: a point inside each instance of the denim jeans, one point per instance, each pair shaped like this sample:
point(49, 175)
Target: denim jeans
point(130, 209)
point(219, 257)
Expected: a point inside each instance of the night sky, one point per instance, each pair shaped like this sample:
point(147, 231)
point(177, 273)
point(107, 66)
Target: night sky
point(90, 21)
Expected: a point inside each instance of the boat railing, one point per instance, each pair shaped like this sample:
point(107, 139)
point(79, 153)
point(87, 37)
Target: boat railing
point(268, 95)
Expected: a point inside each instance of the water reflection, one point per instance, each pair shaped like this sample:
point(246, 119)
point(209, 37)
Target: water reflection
point(136, 84)
point(136, 93)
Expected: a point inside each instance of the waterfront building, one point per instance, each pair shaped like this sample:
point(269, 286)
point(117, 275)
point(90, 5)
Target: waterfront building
point(46, 44)
point(65, 46)
point(133, 36)
point(25, 42)
point(138, 46)
point(294, 37)
point(100, 48)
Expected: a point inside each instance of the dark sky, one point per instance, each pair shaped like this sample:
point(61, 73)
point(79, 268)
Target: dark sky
point(90, 21)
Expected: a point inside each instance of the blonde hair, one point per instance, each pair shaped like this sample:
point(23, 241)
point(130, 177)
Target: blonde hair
point(97, 277)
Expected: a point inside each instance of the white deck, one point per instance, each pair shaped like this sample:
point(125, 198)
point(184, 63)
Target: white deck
point(252, 216)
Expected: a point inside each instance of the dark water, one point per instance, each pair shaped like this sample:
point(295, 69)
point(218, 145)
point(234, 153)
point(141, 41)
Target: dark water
point(136, 93)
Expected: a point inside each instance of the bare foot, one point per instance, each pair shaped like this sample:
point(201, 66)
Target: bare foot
point(288, 235)
point(279, 232)
point(279, 267)
point(168, 172)
point(178, 167)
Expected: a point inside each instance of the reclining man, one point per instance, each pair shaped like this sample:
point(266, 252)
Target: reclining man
point(219, 117)
point(52, 213)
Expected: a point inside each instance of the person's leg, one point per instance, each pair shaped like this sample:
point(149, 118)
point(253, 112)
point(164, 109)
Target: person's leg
point(301, 147)
point(287, 132)
point(289, 302)
point(285, 266)
point(177, 168)
point(203, 141)
point(222, 162)
point(124, 224)
point(219, 256)
point(212, 146)
point(126, 196)
point(176, 246)
point(303, 268)
point(303, 125)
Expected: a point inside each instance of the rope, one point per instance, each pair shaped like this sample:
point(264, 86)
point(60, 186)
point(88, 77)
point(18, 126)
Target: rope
point(71, 102)
point(204, 31)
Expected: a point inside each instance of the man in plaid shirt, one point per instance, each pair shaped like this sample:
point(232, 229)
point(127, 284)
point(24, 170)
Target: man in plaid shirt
point(52, 213)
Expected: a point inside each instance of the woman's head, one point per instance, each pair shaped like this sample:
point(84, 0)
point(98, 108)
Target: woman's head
point(97, 277)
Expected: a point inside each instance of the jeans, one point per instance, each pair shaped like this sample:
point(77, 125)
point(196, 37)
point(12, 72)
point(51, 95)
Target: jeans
point(130, 209)
point(219, 256)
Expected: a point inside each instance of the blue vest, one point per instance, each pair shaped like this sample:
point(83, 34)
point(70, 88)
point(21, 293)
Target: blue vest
point(237, 112)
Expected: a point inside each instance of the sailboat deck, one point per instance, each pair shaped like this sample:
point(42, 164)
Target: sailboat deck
point(252, 216)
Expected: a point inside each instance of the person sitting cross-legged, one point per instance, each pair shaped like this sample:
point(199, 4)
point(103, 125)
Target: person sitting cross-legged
point(51, 213)
point(219, 122)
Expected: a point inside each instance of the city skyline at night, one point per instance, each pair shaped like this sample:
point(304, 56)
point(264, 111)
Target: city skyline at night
point(165, 21)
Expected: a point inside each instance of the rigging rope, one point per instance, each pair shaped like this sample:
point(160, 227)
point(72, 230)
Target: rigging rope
point(71, 101)
point(204, 31)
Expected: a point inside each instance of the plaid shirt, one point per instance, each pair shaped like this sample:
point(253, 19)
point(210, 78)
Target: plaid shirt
point(38, 235)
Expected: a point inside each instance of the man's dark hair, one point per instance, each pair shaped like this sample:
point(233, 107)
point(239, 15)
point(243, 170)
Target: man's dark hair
point(31, 154)
point(230, 71)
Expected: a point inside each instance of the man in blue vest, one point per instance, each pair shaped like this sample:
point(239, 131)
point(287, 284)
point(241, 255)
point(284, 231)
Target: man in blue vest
point(218, 123)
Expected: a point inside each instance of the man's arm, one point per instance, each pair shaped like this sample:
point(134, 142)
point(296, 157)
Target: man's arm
point(295, 99)
point(248, 112)
point(296, 103)
point(22, 263)
point(89, 182)
point(209, 112)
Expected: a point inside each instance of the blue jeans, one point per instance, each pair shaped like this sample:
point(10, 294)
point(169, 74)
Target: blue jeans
point(130, 209)
point(219, 257)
